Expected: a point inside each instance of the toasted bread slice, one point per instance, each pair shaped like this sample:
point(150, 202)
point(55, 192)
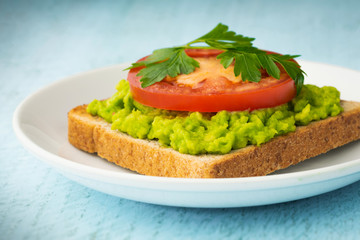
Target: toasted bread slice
point(94, 135)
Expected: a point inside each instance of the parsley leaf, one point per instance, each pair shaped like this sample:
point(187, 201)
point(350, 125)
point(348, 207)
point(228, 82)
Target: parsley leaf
point(246, 64)
point(157, 56)
point(166, 62)
point(269, 65)
point(221, 35)
point(238, 50)
point(292, 68)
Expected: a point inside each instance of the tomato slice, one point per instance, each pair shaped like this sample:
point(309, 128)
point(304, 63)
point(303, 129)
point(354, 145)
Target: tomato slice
point(214, 92)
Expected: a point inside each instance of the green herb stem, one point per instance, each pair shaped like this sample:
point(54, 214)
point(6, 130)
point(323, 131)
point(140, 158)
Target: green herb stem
point(238, 49)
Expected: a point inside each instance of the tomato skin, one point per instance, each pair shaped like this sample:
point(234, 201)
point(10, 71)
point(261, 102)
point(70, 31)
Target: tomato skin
point(215, 103)
point(164, 95)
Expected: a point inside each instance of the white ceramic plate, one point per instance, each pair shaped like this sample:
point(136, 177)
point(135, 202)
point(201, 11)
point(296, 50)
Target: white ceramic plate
point(40, 122)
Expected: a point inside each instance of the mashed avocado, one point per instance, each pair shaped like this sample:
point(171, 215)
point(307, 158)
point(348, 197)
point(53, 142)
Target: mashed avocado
point(198, 133)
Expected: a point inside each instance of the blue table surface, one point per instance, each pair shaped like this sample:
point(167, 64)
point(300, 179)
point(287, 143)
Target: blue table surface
point(43, 41)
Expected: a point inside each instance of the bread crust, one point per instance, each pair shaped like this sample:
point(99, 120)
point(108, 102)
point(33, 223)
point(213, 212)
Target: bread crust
point(94, 135)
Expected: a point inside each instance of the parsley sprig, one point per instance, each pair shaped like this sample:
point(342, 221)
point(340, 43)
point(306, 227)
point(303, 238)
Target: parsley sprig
point(238, 49)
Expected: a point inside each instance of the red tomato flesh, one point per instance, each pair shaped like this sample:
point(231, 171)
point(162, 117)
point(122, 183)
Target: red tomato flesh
point(212, 93)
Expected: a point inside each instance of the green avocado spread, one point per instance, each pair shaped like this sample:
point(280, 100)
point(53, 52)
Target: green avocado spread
point(216, 133)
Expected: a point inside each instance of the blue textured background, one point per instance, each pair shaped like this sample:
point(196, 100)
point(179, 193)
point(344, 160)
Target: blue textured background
point(42, 41)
